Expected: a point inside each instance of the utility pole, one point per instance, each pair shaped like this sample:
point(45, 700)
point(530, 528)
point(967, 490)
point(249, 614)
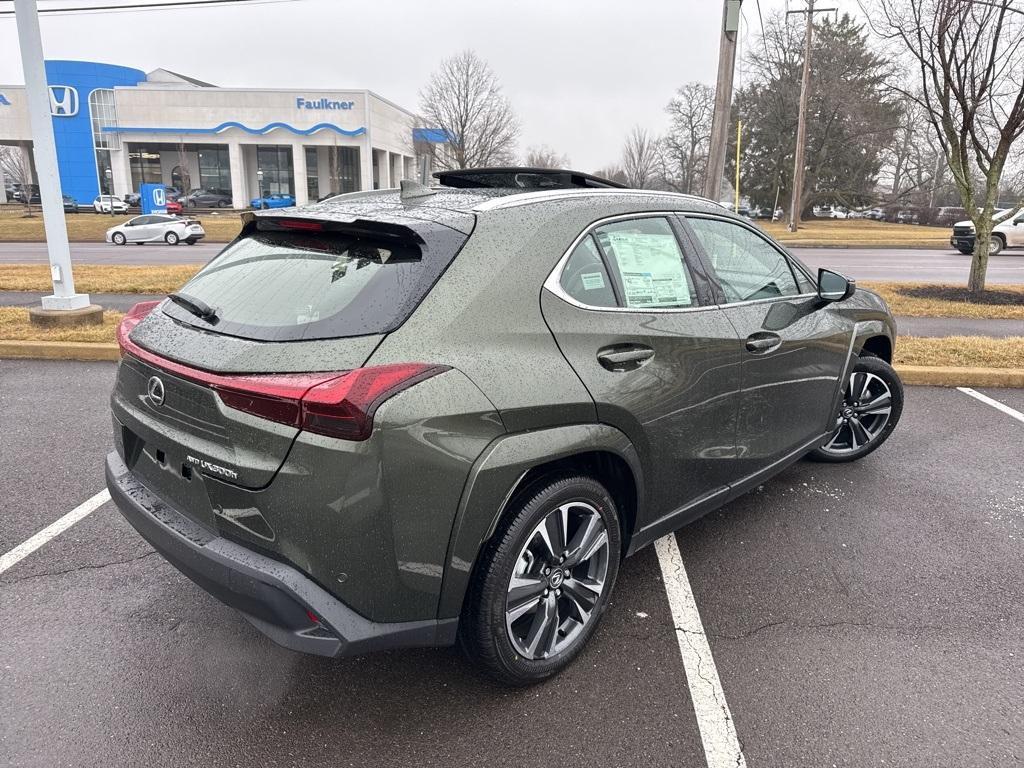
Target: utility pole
point(723, 100)
point(801, 126)
point(45, 152)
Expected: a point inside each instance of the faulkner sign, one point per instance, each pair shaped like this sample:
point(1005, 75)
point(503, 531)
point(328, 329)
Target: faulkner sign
point(323, 103)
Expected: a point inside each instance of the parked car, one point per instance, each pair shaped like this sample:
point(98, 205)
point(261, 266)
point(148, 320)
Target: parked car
point(133, 200)
point(839, 212)
point(273, 201)
point(157, 228)
point(174, 206)
point(25, 193)
point(208, 198)
point(401, 418)
point(875, 214)
point(1007, 233)
point(906, 217)
point(70, 204)
point(947, 216)
point(104, 204)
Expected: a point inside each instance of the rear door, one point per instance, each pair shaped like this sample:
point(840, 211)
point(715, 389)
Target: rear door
point(793, 349)
point(637, 322)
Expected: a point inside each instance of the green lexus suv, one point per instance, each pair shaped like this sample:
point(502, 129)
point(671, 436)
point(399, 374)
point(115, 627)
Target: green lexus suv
point(445, 414)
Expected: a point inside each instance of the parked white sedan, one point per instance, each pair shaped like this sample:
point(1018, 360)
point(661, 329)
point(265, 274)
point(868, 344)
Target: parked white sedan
point(108, 204)
point(156, 228)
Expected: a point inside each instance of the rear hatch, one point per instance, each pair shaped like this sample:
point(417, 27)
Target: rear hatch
point(292, 303)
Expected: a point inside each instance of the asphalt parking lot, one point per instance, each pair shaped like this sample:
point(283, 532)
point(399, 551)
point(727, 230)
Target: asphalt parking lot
point(860, 615)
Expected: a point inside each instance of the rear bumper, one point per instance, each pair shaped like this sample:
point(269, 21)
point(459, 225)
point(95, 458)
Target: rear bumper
point(271, 595)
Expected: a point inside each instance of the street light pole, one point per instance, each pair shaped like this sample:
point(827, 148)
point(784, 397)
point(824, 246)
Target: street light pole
point(45, 151)
point(723, 100)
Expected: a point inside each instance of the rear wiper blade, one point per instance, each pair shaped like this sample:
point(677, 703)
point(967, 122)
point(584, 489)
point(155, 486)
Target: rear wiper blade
point(197, 307)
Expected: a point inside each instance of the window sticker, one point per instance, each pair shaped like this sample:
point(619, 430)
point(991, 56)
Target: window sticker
point(592, 281)
point(651, 268)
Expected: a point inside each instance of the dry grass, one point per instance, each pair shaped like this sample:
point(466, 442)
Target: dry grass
point(15, 326)
point(859, 233)
point(100, 278)
point(961, 351)
point(91, 227)
point(1005, 302)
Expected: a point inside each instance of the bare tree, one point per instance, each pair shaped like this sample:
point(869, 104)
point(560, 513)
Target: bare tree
point(968, 58)
point(612, 173)
point(641, 159)
point(687, 142)
point(18, 170)
point(545, 157)
point(464, 99)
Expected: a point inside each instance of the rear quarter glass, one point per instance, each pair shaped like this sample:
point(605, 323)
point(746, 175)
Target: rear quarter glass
point(305, 285)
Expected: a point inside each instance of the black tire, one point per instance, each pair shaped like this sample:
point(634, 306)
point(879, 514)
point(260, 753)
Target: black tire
point(264, 206)
point(224, 204)
point(996, 245)
point(118, 238)
point(171, 239)
point(843, 436)
point(483, 634)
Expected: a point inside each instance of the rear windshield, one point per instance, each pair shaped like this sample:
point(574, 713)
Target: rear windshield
point(288, 286)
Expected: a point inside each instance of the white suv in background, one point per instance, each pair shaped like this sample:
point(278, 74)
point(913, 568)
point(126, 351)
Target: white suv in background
point(1008, 233)
point(104, 204)
point(156, 228)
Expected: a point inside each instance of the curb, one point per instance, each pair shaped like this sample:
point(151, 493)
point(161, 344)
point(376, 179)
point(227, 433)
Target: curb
point(913, 375)
point(59, 350)
point(948, 376)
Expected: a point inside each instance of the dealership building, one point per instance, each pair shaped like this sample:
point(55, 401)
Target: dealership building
point(117, 128)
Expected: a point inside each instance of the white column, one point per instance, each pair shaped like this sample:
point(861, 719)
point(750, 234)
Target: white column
point(121, 171)
point(3, 189)
point(299, 169)
point(239, 198)
point(365, 166)
point(45, 150)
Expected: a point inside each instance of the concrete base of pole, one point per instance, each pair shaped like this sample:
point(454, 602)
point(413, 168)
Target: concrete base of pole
point(91, 314)
point(74, 301)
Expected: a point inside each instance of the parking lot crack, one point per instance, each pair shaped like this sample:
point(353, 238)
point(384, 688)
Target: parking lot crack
point(89, 567)
point(826, 625)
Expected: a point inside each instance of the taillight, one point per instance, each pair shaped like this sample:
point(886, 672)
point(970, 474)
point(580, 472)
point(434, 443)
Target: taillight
point(132, 318)
point(335, 403)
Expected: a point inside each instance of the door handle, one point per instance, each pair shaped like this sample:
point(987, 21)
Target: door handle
point(759, 343)
point(624, 358)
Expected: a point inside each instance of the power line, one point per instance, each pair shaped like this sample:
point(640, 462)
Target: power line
point(173, 4)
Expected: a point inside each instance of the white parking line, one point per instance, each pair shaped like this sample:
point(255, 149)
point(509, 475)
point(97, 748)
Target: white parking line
point(717, 728)
point(1013, 414)
point(53, 530)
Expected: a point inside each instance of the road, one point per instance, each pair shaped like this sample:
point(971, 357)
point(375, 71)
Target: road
point(864, 614)
point(905, 264)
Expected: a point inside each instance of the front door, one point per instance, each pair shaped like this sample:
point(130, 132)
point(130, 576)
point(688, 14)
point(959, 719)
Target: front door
point(137, 230)
point(637, 322)
point(793, 349)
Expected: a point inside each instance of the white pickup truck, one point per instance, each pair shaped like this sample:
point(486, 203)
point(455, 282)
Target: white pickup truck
point(1008, 233)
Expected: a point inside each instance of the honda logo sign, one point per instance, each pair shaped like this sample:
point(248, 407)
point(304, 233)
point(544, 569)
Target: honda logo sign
point(63, 101)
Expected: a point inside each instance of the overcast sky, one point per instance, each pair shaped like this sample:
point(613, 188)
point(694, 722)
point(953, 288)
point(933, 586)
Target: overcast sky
point(579, 73)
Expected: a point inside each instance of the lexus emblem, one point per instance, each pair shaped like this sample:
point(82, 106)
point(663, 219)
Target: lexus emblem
point(155, 390)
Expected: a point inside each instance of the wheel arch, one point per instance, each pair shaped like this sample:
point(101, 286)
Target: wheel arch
point(511, 466)
point(878, 346)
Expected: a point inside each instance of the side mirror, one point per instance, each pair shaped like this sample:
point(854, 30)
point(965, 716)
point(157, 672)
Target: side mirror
point(834, 287)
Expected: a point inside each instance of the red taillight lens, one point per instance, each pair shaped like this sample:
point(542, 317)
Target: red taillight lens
point(336, 403)
point(344, 407)
point(132, 318)
point(332, 404)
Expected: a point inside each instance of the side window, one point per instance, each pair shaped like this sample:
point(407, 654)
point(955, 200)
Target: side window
point(747, 266)
point(585, 278)
point(649, 267)
point(802, 281)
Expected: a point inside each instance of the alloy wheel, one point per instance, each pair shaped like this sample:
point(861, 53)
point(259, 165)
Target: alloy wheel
point(558, 580)
point(863, 414)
